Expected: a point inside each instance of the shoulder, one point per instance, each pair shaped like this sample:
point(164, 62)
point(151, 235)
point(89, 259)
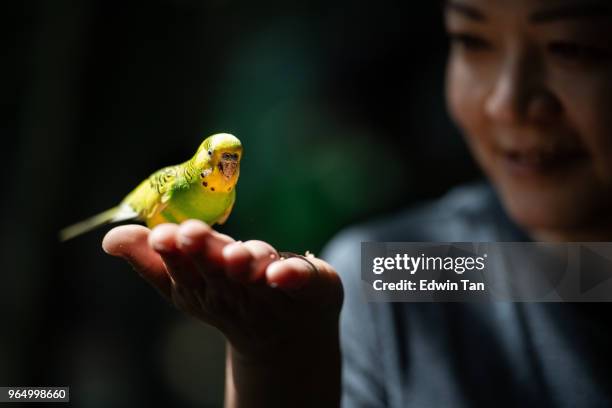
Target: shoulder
point(454, 217)
point(466, 213)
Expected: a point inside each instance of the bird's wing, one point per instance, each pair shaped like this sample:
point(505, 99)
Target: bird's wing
point(163, 180)
point(153, 194)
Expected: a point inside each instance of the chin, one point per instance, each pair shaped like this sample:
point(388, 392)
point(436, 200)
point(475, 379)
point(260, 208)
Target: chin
point(556, 208)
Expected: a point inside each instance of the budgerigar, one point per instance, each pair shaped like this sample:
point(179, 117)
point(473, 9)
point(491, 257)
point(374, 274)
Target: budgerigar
point(203, 187)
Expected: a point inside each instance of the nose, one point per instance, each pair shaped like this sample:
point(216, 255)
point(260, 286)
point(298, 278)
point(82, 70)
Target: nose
point(520, 93)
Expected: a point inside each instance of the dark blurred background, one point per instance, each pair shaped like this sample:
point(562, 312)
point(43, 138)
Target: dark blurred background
point(341, 111)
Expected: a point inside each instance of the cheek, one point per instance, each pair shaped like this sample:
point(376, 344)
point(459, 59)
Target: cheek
point(588, 107)
point(458, 100)
point(465, 96)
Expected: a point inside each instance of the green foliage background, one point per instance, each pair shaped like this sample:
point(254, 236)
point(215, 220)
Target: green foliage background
point(339, 106)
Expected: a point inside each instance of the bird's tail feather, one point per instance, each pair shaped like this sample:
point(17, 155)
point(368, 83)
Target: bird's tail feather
point(88, 224)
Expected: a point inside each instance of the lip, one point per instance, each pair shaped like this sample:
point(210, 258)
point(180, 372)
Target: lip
point(540, 162)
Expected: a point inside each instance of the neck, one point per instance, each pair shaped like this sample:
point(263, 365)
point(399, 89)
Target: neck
point(597, 232)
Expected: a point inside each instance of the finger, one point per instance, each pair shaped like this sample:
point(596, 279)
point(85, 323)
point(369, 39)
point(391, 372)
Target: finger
point(163, 239)
point(203, 244)
point(308, 278)
point(130, 243)
point(247, 262)
point(237, 261)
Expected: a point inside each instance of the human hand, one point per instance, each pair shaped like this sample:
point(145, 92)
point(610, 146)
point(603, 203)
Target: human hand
point(261, 303)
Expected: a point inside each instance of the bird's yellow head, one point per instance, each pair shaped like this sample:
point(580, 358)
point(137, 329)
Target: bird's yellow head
point(218, 162)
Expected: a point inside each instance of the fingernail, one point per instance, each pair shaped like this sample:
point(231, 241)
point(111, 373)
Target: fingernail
point(158, 246)
point(186, 240)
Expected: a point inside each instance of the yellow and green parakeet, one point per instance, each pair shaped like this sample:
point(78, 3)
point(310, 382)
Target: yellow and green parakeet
point(203, 187)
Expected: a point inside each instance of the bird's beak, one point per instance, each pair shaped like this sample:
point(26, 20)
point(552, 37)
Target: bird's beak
point(228, 164)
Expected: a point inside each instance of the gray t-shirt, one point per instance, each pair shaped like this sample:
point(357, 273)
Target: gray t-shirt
point(465, 354)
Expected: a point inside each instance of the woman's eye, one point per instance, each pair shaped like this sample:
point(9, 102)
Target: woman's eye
point(578, 52)
point(469, 41)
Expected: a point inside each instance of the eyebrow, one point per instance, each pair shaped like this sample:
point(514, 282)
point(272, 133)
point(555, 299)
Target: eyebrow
point(572, 12)
point(564, 12)
point(466, 10)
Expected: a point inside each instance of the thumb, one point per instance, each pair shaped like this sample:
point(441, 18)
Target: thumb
point(130, 242)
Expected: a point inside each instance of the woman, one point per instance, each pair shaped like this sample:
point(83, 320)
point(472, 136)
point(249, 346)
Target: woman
point(530, 84)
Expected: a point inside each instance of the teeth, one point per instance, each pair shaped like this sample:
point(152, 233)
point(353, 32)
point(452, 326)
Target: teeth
point(542, 154)
point(532, 158)
point(541, 157)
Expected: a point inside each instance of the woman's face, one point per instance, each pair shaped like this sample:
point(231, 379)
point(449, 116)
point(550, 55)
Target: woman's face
point(530, 85)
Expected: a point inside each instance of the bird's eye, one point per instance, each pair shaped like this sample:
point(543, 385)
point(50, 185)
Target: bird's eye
point(210, 152)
